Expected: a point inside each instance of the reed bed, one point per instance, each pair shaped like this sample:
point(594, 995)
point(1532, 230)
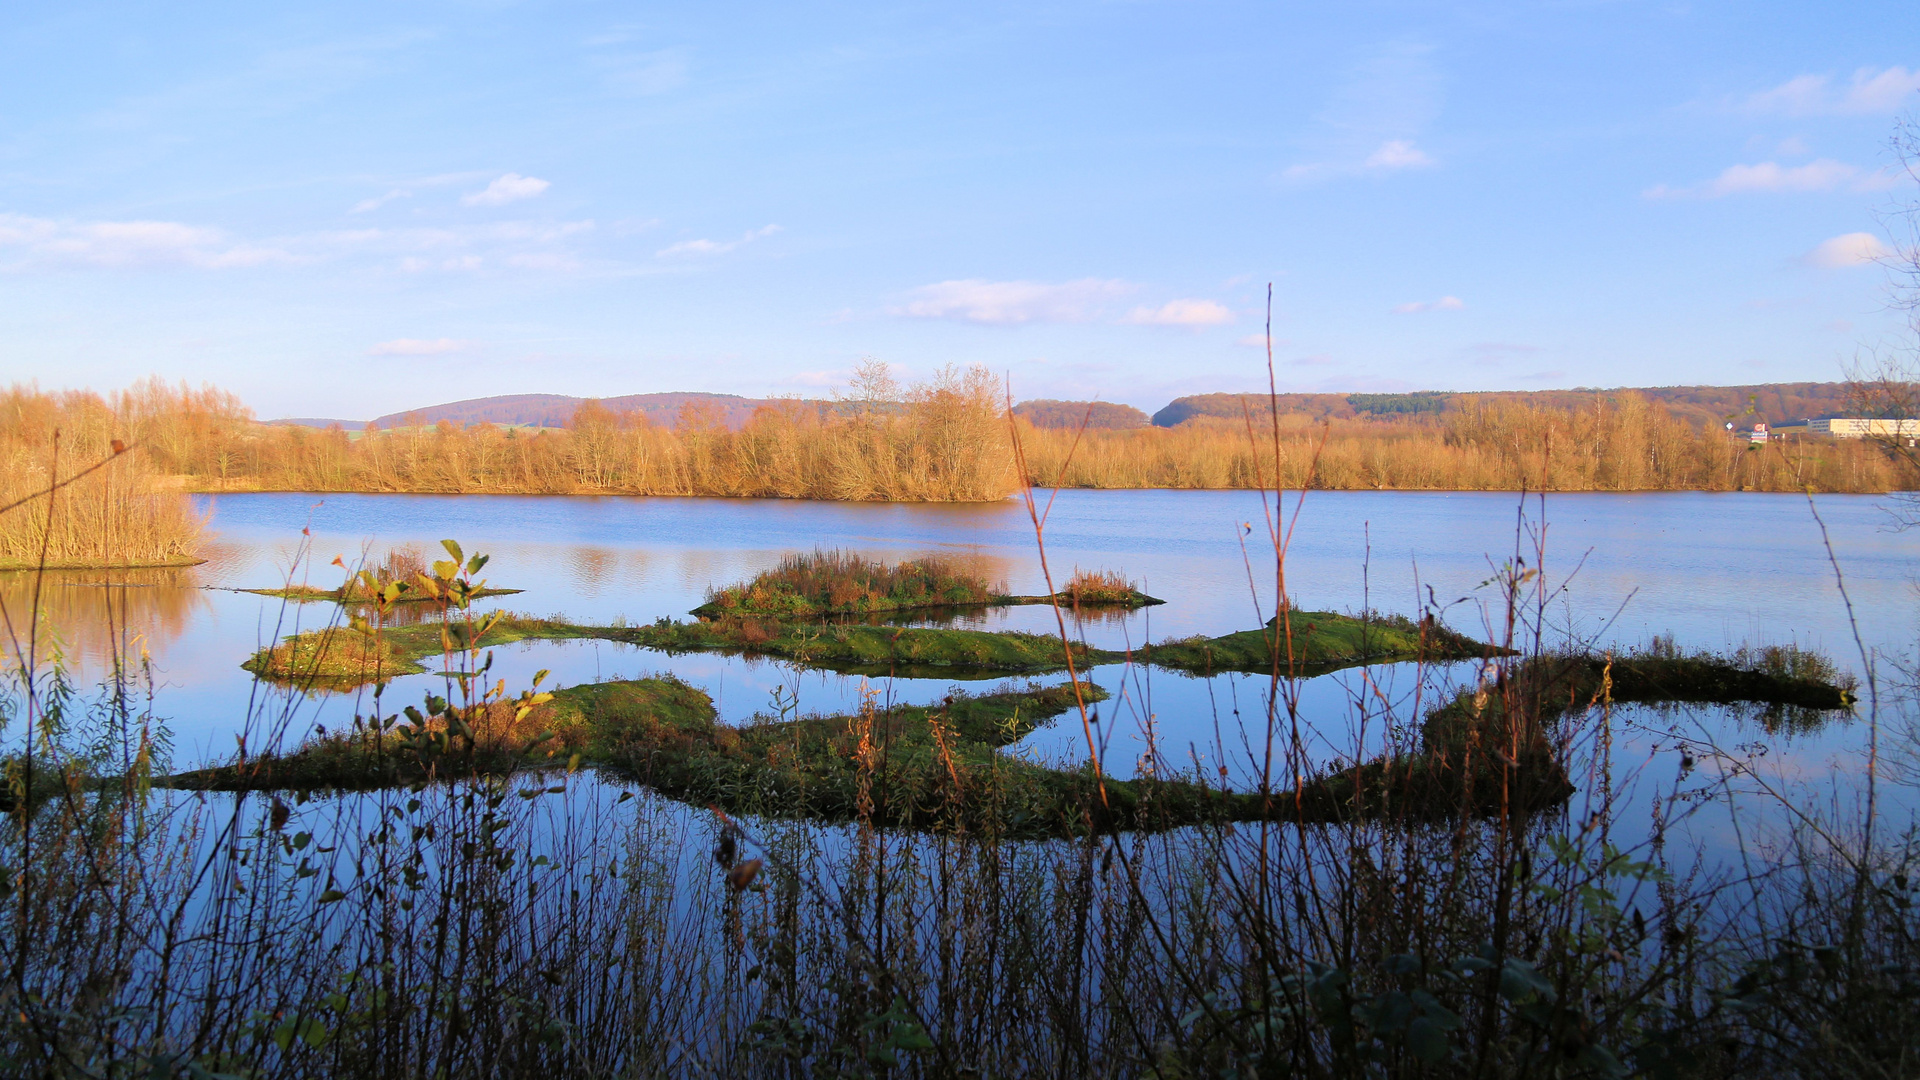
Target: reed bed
point(114, 516)
point(945, 442)
point(948, 441)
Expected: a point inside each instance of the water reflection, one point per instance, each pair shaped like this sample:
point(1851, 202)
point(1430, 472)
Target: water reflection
point(90, 616)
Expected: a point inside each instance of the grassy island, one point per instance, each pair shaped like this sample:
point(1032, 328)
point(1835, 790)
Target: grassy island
point(1492, 747)
point(827, 584)
point(1489, 749)
point(923, 766)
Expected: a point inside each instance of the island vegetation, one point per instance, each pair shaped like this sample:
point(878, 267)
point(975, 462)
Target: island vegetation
point(1494, 748)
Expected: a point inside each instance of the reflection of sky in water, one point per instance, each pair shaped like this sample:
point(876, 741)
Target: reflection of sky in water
point(1714, 569)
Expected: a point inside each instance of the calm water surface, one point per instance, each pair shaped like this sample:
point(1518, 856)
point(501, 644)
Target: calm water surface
point(1715, 570)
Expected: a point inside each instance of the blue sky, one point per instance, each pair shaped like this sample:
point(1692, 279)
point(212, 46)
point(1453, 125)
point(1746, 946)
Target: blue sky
point(348, 210)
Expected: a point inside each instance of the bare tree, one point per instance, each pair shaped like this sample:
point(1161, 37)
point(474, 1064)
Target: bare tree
point(1884, 382)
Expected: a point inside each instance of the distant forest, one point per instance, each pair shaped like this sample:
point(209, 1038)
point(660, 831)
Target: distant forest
point(1771, 403)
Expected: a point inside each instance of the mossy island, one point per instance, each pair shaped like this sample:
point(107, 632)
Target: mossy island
point(1320, 642)
point(944, 765)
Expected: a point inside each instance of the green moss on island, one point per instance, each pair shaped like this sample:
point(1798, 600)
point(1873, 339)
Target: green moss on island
point(1322, 642)
point(938, 766)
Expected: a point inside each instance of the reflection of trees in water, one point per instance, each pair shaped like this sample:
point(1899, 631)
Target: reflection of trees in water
point(94, 613)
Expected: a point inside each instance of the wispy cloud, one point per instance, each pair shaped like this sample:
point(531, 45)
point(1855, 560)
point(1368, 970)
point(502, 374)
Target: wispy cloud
point(1393, 155)
point(130, 244)
point(1870, 92)
point(509, 188)
point(715, 247)
point(377, 202)
point(1369, 124)
point(417, 347)
point(134, 245)
point(1769, 177)
point(1848, 249)
point(1398, 154)
point(1012, 302)
point(1445, 303)
point(1182, 313)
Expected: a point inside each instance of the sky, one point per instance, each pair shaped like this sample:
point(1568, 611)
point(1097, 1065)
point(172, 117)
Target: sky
point(346, 210)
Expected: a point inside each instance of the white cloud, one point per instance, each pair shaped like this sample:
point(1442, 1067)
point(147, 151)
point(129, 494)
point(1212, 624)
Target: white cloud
point(1445, 303)
point(1011, 302)
point(1869, 92)
point(1772, 177)
point(416, 347)
point(1182, 313)
point(1398, 154)
point(365, 205)
point(715, 247)
point(1849, 249)
point(130, 244)
point(509, 188)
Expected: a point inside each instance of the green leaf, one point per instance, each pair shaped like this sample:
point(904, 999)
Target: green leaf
point(1520, 982)
point(1426, 1039)
point(453, 549)
point(332, 896)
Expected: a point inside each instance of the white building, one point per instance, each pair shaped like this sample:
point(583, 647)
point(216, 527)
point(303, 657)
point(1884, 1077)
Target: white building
point(1854, 428)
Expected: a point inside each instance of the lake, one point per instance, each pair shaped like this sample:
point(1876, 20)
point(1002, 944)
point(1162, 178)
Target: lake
point(1713, 570)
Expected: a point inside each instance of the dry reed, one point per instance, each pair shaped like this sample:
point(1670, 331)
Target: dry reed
point(114, 516)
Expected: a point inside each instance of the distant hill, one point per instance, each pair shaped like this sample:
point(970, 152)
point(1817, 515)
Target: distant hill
point(320, 422)
point(1774, 403)
point(554, 410)
point(1047, 413)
